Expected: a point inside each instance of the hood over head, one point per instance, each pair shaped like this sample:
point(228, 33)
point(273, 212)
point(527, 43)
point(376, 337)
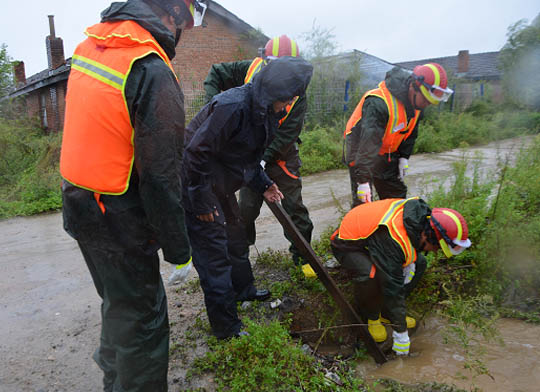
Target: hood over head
point(398, 80)
point(281, 80)
point(415, 213)
point(139, 12)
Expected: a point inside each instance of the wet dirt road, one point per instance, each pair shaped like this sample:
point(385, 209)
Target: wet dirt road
point(49, 312)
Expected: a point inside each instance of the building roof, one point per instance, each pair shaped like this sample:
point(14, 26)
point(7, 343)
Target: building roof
point(482, 66)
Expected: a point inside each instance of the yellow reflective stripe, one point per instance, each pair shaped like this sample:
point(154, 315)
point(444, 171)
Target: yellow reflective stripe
point(457, 222)
point(294, 48)
point(180, 266)
point(401, 347)
point(255, 67)
point(116, 35)
point(393, 116)
point(98, 71)
point(392, 210)
point(288, 112)
point(192, 10)
point(275, 47)
point(436, 73)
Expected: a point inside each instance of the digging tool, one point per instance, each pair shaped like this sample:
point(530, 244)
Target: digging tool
point(313, 260)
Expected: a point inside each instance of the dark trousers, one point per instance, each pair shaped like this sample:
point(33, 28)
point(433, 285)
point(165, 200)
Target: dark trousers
point(134, 345)
point(220, 256)
point(368, 291)
point(385, 181)
point(251, 202)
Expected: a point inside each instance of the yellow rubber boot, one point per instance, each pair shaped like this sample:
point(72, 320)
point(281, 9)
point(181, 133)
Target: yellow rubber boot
point(377, 330)
point(411, 323)
point(308, 271)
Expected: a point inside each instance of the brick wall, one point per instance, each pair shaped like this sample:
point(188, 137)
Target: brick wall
point(199, 48)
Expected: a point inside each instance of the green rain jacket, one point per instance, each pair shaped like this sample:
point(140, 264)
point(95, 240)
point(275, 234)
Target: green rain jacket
point(224, 76)
point(149, 215)
point(388, 258)
point(365, 140)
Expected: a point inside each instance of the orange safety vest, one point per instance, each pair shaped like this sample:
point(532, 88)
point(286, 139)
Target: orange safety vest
point(256, 65)
point(362, 221)
point(97, 146)
point(397, 128)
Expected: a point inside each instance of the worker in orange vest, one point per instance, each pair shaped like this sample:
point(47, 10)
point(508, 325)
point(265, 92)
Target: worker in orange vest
point(281, 159)
point(380, 244)
point(122, 194)
point(380, 134)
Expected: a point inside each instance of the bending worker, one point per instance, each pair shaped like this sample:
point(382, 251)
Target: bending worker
point(121, 164)
point(380, 244)
point(281, 159)
point(224, 146)
point(380, 135)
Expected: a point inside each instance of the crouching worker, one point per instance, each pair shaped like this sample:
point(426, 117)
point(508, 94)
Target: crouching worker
point(380, 243)
point(224, 147)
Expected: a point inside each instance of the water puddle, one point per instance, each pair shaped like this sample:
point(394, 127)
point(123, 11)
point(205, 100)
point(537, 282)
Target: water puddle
point(513, 366)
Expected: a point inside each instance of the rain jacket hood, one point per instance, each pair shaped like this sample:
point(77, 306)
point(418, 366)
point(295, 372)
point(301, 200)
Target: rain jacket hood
point(139, 12)
point(398, 81)
point(415, 218)
point(280, 80)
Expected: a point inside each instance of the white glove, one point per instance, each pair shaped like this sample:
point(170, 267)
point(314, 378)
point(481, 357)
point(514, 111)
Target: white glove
point(401, 343)
point(364, 192)
point(180, 273)
point(403, 168)
point(263, 164)
point(408, 272)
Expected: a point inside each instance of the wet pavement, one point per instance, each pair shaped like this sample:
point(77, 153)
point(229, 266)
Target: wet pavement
point(50, 311)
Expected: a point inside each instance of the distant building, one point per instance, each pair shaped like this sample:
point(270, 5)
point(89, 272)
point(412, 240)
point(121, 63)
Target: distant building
point(224, 37)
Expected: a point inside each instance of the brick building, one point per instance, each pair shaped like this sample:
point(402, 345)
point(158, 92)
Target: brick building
point(224, 37)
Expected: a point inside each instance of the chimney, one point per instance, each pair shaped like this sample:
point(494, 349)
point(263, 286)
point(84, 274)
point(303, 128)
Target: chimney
point(55, 47)
point(20, 73)
point(463, 61)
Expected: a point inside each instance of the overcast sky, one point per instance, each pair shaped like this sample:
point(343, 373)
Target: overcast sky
point(392, 30)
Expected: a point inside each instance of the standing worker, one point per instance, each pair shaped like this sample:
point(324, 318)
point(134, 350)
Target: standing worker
point(281, 159)
point(379, 243)
point(224, 146)
point(121, 164)
point(380, 135)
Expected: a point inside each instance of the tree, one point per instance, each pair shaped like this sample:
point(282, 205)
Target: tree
point(319, 42)
point(6, 71)
point(520, 60)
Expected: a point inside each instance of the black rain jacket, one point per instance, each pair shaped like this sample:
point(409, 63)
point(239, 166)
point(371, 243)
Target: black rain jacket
point(224, 76)
point(150, 214)
point(365, 140)
point(225, 141)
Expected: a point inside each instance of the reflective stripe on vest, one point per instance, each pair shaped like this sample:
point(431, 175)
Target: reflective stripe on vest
point(397, 128)
point(256, 66)
point(362, 221)
point(97, 145)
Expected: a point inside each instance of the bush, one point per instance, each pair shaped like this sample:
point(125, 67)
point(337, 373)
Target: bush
point(321, 150)
point(29, 181)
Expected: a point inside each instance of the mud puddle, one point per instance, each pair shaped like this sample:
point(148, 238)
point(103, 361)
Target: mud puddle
point(513, 365)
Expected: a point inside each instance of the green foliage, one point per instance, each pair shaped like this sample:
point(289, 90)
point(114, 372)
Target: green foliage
point(520, 59)
point(29, 180)
point(319, 42)
point(268, 360)
point(320, 150)
point(441, 131)
point(6, 71)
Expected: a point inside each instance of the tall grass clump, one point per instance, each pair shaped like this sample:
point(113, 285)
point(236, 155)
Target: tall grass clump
point(321, 149)
point(29, 177)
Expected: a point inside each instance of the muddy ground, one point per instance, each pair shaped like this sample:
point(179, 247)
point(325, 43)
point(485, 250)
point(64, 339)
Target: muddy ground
point(49, 311)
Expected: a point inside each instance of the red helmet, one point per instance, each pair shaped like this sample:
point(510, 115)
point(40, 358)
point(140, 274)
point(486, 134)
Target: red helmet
point(451, 230)
point(432, 80)
point(281, 46)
